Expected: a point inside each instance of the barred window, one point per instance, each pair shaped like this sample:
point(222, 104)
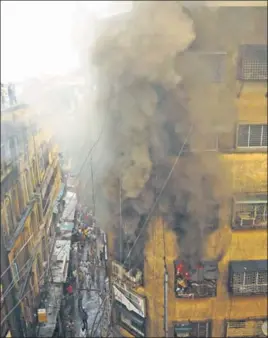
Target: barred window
point(248, 278)
point(193, 329)
point(245, 328)
point(252, 63)
point(252, 135)
point(250, 212)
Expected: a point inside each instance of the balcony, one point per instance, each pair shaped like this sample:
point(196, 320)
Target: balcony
point(121, 276)
point(248, 278)
point(200, 282)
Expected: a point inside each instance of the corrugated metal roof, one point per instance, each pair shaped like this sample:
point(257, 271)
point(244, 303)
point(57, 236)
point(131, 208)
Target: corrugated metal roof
point(252, 64)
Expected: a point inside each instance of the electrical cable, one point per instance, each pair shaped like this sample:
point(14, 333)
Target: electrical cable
point(5, 271)
point(13, 283)
point(88, 155)
point(159, 196)
point(19, 301)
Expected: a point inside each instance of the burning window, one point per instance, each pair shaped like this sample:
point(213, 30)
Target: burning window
point(193, 329)
point(252, 63)
point(250, 212)
point(252, 135)
point(248, 277)
point(246, 328)
point(198, 282)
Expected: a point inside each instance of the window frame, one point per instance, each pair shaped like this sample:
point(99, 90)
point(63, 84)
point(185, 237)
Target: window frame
point(248, 146)
point(244, 321)
point(208, 328)
point(239, 201)
point(244, 274)
point(242, 57)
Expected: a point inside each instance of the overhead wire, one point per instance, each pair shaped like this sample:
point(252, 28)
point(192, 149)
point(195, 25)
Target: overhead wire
point(19, 301)
point(88, 155)
point(14, 282)
point(159, 196)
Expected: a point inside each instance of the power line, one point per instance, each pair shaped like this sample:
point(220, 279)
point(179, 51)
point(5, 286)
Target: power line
point(89, 153)
point(17, 255)
point(159, 196)
point(33, 256)
point(22, 297)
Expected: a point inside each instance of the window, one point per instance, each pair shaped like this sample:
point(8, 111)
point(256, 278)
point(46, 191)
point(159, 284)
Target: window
point(21, 198)
point(193, 329)
point(29, 183)
point(245, 328)
point(214, 65)
point(252, 63)
point(248, 277)
point(250, 212)
point(200, 282)
point(252, 135)
point(10, 216)
point(130, 320)
point(14, 198)
point(15, 271)
point(211, 66)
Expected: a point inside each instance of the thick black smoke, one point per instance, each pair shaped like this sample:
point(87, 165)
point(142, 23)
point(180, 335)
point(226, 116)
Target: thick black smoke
point(145, 105)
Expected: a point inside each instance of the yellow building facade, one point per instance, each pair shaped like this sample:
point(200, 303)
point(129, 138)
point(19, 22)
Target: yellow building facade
point(237, 39)
point(30, 183)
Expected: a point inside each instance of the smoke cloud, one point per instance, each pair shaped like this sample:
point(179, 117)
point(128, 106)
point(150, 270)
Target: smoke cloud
point(137, 107)
point(143, 93)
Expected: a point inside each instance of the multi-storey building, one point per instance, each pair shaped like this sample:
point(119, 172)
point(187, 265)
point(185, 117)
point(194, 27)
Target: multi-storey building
point(30, 183)
point(228, 76)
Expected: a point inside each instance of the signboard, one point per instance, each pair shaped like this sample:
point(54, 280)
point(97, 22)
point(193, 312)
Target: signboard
point(132, 301)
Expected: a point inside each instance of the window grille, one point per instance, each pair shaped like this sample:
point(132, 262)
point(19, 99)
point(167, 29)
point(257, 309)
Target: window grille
point(193, 329)
point(252, 63)
point(245, 328)
point(247, 283)
point(252, 135)
point(250, 213)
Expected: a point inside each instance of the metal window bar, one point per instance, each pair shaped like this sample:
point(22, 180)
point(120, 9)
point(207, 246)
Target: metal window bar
point(249, 283)
point(250, 214)
point(256, 135)
point(245, 328)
